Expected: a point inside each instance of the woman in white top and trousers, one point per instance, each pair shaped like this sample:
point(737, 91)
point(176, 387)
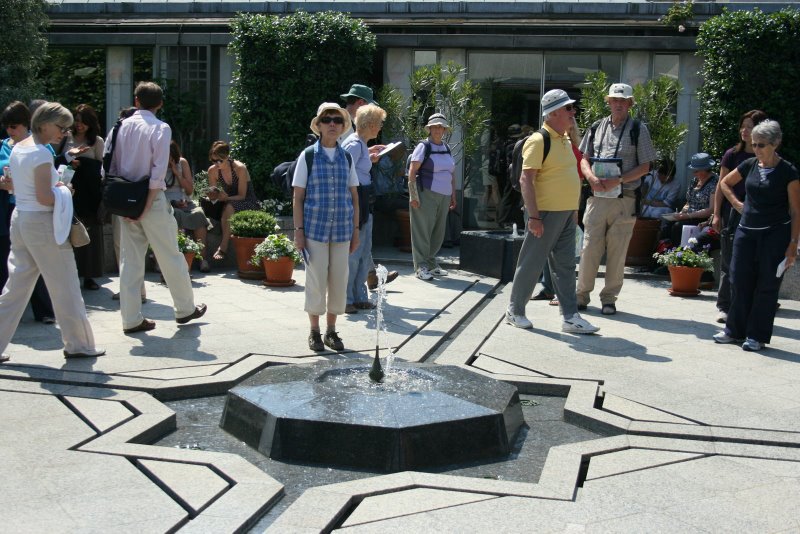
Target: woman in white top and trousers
point(34, 249)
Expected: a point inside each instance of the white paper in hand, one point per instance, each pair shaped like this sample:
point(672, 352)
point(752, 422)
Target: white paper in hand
point(781, 268)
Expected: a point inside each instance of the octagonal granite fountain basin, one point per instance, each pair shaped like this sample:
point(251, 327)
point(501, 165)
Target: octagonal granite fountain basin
point(421, 415)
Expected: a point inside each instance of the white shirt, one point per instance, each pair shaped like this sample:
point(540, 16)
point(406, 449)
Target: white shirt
point(142, 149)
point(23, 161)
point(300, 178)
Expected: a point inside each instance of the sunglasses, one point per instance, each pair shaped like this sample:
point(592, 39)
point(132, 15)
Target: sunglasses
point(216, 161)
point(570, 107)
point(761, 145)
point(335, 120)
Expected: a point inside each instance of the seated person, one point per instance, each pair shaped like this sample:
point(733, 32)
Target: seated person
point(180, 186)
point(699, 196)
point(231, 188)
point(660, 191)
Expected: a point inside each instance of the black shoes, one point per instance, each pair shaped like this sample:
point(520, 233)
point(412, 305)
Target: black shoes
point(333, 341)
point(543, 295)
point(198, 312)
point(315, 341)
point(144, 326)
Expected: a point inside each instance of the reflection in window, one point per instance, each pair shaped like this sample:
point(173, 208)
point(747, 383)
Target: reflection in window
point(423, 58)
point(568, 71)
point(666, 65)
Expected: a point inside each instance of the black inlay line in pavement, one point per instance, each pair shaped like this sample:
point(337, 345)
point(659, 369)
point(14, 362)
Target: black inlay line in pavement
point(664, 464)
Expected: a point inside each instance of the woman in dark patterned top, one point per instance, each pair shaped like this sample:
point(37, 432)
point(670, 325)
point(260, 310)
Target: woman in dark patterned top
point(233, 187)
point(766, 239)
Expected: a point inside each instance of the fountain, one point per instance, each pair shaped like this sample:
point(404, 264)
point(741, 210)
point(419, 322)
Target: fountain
point(408, 416)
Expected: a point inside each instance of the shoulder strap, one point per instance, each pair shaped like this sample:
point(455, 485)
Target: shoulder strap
point(110, 154)
point(309, 153)
point(546, 138)
point(428, 148)
point(635, 137)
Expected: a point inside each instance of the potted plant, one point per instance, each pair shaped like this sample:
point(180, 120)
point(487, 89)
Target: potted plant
point(686, 266)
point(248, 229)
point(189, 247)
point(277, 255)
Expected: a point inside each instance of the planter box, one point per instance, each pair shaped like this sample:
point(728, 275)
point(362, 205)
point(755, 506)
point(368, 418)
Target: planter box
point(490, 253)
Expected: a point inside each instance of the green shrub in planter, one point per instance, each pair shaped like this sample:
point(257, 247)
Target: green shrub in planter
point(274, 247)
point(253, 223)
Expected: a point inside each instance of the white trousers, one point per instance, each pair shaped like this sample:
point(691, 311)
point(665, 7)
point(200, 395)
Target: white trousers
point(34, 251)
point(326, 276)
point(159, 229)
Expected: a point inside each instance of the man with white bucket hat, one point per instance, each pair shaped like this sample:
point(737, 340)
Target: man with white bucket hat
point(550, 189)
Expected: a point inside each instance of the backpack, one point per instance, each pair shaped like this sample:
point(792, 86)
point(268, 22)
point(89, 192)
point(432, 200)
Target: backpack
point(515, 167)
point(283, 174)
point(427, 145)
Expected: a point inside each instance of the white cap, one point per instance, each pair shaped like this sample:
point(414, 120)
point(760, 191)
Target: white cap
point(619, 90)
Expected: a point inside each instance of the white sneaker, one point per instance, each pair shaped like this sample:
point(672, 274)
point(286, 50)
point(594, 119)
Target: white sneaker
point(578, 325)
point(424, 274)
point(724, 339)
point(520, 321)
point(438, 271)
point(752, 345)
point(722, 317)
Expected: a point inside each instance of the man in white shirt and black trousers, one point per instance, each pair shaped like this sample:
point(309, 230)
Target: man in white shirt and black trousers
point(141, 152)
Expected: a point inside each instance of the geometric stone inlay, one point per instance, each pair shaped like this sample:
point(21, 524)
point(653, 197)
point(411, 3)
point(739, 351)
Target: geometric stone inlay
point(422, 415)
point(195, 485)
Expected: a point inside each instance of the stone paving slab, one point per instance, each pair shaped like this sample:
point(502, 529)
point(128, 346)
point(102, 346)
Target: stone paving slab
point(702, 437)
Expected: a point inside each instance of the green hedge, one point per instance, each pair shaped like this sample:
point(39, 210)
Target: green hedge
point(23, 23)
point(287, 66)
point(751, 61)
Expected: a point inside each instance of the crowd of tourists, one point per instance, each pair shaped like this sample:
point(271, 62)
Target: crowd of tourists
point(54, 161)
point(752, 208)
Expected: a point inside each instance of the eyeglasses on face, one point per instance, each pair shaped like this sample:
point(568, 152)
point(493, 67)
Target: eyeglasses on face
point(761, 145)
point(216, 161)
point(63, 129)
point(570, 107)
point(336, 120)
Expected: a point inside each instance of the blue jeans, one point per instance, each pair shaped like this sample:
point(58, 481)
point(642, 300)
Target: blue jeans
point(360, 263)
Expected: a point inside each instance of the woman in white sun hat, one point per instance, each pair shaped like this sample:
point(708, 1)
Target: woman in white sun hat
point(432, 193)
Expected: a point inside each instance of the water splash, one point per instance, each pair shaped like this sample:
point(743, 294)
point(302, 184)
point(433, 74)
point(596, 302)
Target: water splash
point(380, 325)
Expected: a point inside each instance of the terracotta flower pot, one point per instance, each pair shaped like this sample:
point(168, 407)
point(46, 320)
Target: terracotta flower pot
point(244, 248)
point(685, 280)
point(189, 258)
point(278, 272)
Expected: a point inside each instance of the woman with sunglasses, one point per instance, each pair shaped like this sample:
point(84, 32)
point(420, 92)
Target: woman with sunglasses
point(726, 219)
point(34, 248)
point(82, 148)
point(765, 243)
point(325, 212)
point(230, 184)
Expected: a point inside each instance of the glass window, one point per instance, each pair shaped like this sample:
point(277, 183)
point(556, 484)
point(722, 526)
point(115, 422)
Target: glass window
point(666, 65)
point(423, 58)
point(568, 71)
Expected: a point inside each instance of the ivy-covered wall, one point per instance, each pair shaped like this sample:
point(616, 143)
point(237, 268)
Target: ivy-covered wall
point(751, 61)
point(287, 66)
point(23, 23)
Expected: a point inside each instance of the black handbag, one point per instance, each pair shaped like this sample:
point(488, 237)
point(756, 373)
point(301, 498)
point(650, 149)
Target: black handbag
point(125, 198)
point(122, 196)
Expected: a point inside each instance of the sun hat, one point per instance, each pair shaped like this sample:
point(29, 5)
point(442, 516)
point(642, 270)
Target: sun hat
point(701, 162)
point(360, 91)
point(555, 99)
point(514, 131)
point(437, 119)
point(330, 106)
point(619, 90)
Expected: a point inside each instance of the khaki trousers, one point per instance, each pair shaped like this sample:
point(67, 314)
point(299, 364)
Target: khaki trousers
point(326, 277)
point(34, 251)
point(159, 229)
point(428, 224)
point(608, 227)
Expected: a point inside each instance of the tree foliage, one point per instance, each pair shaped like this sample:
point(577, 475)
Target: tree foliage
point(751, 61)
point(23, 23)
point(74, 76)
point(287, 66)
point(443, 89)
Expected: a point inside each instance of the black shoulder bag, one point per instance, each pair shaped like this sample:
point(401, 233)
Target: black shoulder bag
point(122, 196)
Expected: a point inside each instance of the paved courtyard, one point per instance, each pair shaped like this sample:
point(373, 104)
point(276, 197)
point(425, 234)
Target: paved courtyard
point(697, 437)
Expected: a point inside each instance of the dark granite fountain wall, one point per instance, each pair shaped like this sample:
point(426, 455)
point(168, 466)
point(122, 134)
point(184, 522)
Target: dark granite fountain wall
point(422, 415)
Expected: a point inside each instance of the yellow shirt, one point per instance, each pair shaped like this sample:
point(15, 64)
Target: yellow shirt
point(557, 184)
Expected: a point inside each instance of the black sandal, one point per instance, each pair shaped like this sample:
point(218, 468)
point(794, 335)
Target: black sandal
point(89, 283)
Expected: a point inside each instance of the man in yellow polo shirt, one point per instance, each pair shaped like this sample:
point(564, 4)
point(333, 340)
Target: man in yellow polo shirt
point(550, 190)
